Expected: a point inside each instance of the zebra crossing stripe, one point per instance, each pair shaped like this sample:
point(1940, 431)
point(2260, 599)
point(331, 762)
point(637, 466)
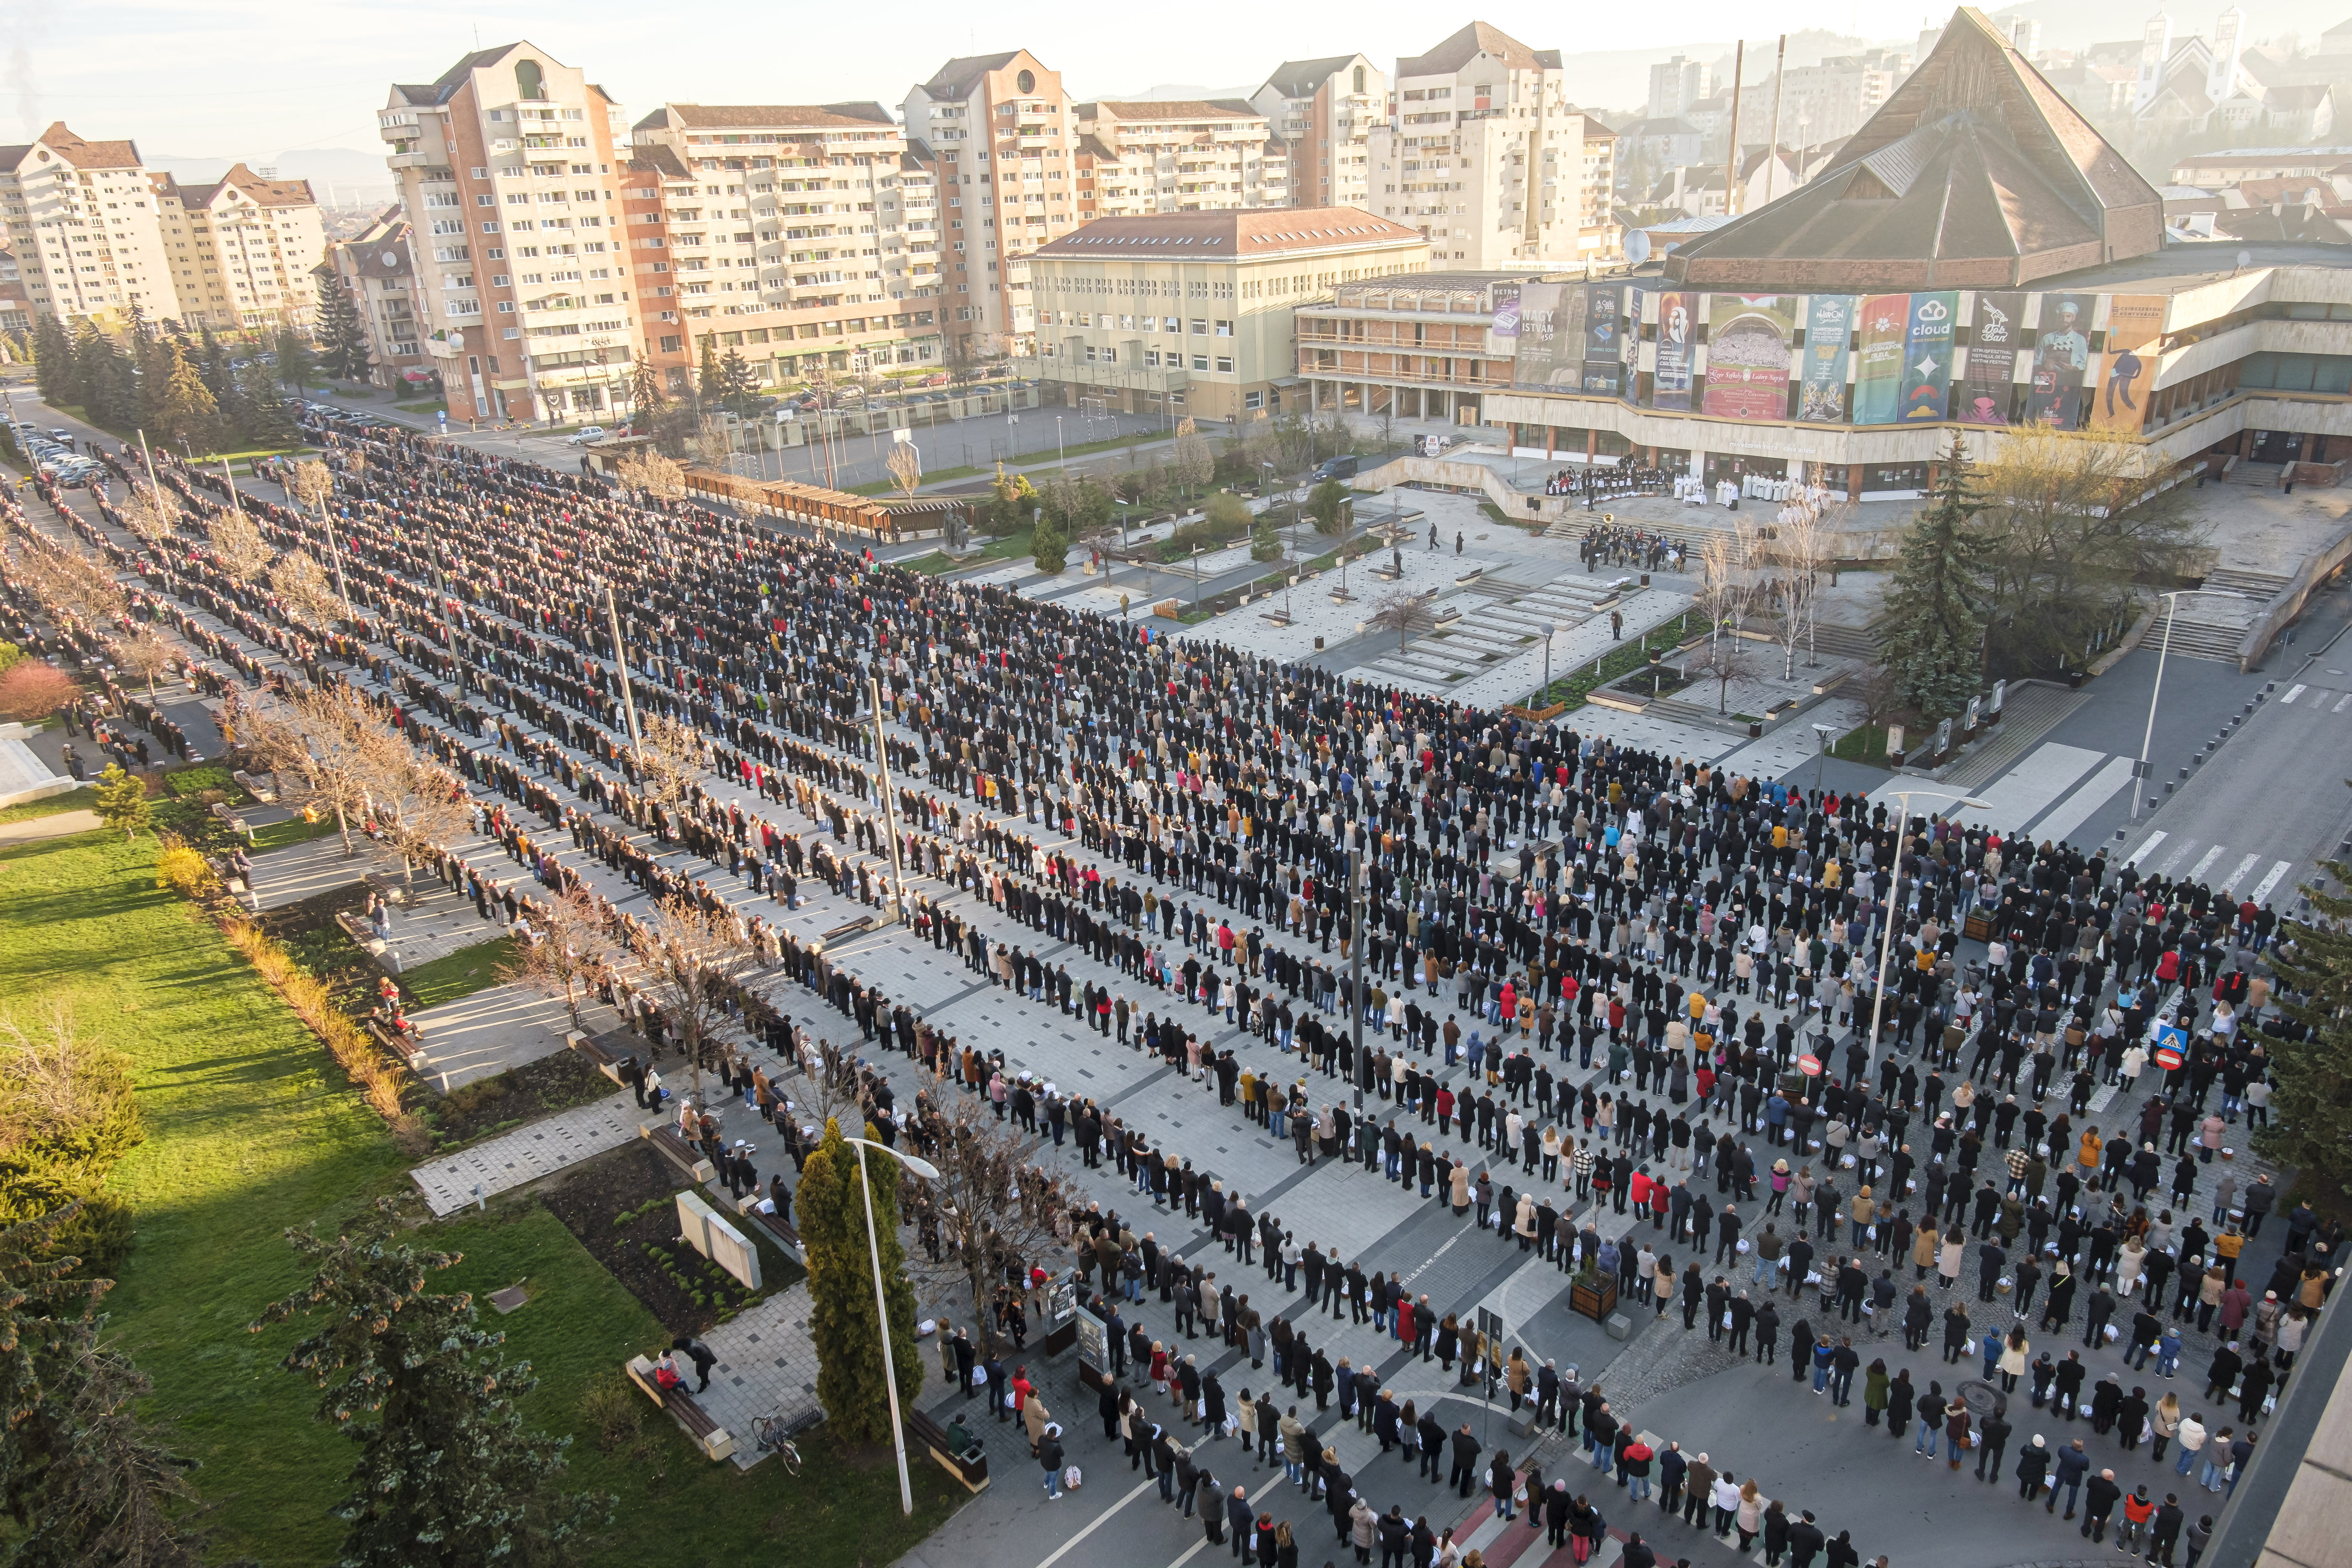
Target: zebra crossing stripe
point(2238, 876)
point(2197, 872)
point(2146, 848)
point(2288, 701)
point(2262, 889)
point(2346, 702)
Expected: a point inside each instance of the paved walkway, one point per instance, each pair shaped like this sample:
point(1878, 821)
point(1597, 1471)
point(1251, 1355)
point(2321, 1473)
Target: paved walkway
point(527, 1154)
point(502, 1026)
point(767, 1366)
point(57, 825)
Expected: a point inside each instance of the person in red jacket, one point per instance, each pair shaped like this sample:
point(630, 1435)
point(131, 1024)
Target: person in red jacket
point(2139, 1508)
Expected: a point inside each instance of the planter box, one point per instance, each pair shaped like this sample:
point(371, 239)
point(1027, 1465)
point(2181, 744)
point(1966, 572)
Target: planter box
point(1596, 1300)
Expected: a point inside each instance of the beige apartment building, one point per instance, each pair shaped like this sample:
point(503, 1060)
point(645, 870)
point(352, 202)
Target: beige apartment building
point(1005, 137)
point(243, 249)
point(1191, 314)
point(378, 267)
point(508, 166)
point(1488, 159)
point(83, 223)
point(806, 238)
point(1176, 155)
point(1324, 113)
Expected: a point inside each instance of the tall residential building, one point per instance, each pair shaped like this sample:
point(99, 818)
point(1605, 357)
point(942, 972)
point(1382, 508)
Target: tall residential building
point(243, 249)
point(1006, 139)
point(378, 268)
point(1175, 155)
point(1679, 85)
point(1488, 159)
point(82, 221)
point(508, 167)
point(806, 237)
point(1828, 102)
point(1324, 111)
point(16, 305)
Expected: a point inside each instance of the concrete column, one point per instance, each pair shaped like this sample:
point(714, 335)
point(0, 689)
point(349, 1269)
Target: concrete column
point(1591, 443)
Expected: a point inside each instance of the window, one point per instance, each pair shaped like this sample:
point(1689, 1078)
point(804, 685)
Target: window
point(530, 83)
point(1225, 329)
point(1225, 364)
point(1200, 328)
point(1200, 362)
point(1257, 399)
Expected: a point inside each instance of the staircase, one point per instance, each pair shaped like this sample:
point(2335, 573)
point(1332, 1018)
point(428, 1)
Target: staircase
point(2209, 627)
point(1505, 619)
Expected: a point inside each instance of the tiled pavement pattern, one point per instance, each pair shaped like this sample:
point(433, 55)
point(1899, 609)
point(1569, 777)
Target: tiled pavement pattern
point(1330, 1203)
point(550, 1144)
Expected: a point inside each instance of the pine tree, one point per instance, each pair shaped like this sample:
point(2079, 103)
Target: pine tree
point(1934, 640)
point(2311, 1108)
point(448, 1474)
point(55, 370)
point(737, 382)
point(342, 332)
point(106, 382)
point(189, 411)
point(262, 418)
point(645, 397)
point(849, 1382)
point(121, 800)
point(297, 367)
point(707, 381)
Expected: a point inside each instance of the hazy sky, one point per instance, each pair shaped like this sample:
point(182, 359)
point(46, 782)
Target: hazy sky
point(256, 77)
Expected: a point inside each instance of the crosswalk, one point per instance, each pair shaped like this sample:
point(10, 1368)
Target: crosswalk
point(2163, 854)
point(1514, 1543)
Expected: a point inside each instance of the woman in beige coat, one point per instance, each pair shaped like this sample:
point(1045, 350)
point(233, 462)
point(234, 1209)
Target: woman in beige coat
point(1923, 1249)
point(1458, 1190)
point(1947, 1259)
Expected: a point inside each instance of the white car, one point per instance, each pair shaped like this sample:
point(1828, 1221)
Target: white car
point(593, 433)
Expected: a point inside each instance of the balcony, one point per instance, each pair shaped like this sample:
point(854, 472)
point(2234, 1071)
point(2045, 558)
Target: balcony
point(409, 160)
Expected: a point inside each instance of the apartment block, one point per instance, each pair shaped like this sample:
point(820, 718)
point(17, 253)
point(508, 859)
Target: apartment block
point(378, 268)
point(1488, 159)
point(1679, 85)
point(1324, 113)
point(1191, 314)
point(242, 249)
point(508, 166)
point(16, 305)
point(1174, 155)
point(1005, 138)
point(806, 238)
point(83, 223)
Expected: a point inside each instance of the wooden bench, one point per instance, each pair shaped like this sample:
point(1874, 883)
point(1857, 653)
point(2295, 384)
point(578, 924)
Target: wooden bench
point(778, 1228)
point(971, 1469)
point(405, 1047)
point(389, 891)
point(678, 1152)
point(707, 1435)
point(606, 1062)
point(263, 789)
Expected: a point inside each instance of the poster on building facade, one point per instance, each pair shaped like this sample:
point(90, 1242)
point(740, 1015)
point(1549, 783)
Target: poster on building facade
point(1629, 343)
point(1878, 369)
point(1671, 385)
point(1986, 387)
point(2062, 352)
point(1829, 321)
point(1928, 357)
point(1747, 350)
point(1507, 311)
point(1604, 331)
point(1551, 338)
point(2128, 363)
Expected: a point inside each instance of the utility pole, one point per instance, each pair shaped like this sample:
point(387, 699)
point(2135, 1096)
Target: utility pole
point(1772, 154)
point(1355, 958)
point(621, 659)
point(1731, 159)
point(889, 807)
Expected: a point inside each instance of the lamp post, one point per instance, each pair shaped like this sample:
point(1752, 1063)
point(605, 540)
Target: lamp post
point(929, 1172)
point(1894, 887)
point(1551, 630)
point(2164, 649)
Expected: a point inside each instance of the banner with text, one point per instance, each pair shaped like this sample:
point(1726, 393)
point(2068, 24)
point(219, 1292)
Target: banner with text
point(1928, 357)
point(1829, 321)
point(2062, 352)
point(1747, 338)
point(2128, 371)
point(1878, 370)
point(1671, 385)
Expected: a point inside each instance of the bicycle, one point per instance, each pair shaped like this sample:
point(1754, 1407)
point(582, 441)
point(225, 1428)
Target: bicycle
point(774, 1437)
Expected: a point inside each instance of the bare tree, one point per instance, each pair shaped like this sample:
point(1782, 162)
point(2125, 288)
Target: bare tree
point(1725, 658)
point(310, 483)
point(152, 514)
point(1724, 588)
point(238, 545)
point(1194, 464)
point(906, 468)
point(325, 747)
point(649, 473)
point(686, 966)
point(997, 1214)
point(1401, 611)
point(416, 803)
point(574, 947)
point(1806, 547)
point(303, 587)
point(145, 654)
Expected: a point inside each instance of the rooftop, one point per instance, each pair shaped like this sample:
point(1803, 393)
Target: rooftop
point(755, 116)
point(1230, 235)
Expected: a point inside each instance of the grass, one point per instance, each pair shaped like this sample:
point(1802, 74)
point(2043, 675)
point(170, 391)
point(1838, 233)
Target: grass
point(461, 973)
point(252, 1130)
point(1014, 546)
point(1085, 450)
point(430, 405)
point(1576, 687)
point(293, 830)
point(1866, 744)
point(82, 799)
point(933, 564)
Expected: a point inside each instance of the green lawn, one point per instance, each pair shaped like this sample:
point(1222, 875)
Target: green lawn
point(463, 973)
point(1084, 450)
point(430, 405)
point(293, 830)
point(82, 799)
point(1866, 744)
point(250, 1130)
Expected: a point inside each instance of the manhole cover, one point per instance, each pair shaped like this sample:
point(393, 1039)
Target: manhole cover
point(508, 1299)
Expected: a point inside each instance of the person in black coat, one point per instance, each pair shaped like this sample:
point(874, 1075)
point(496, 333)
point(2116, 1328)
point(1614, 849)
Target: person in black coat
point(1898, 1405)
point(1805, 1540)
point(1992, 1444)
point(2032, 1466)
point(2100, 1495)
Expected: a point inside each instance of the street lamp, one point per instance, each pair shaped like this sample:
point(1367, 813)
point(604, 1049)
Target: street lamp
point(2140, 769)
point(1894, 887)
point(929, 1172)
point(1551, 630)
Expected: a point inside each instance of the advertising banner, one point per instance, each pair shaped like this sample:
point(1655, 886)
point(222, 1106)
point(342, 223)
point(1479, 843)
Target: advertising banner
point(1671, 385)
point(1630, 341)
point(1985, 393)
point(1878, 370)
point(1748, 347)
point(1829, 320)
point(1551, 338)
point(1604, 331)
point(2062, 352)
point(2135, 324)
point(1507, 311)
point(1928, 357)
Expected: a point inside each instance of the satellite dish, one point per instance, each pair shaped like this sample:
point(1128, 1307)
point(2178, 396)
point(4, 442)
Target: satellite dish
point(392, 259)
point(1637, 248)
point(2245, 258)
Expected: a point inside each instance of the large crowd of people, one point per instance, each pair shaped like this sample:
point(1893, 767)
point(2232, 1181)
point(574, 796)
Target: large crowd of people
point(1615, 1007)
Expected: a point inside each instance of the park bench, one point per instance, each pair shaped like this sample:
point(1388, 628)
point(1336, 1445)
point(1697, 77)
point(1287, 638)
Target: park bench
point(608, 1061)
point(389, 891)
point(970, 1468)
point(262, 787)
point(778, 1229)
point(708, 1435)
point(677, 1151)
point(405, 1047)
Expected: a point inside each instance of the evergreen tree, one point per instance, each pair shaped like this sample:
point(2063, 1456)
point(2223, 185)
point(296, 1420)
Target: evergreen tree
point(1050, 546)
point(55, 370)
point(1934, 640)
point(188, 411)
point(448, 1476)
point(297, 367)
point(707, 380)
point(737, 382)
point(647, 400)
point(121, 800)
point(2311, 1109)
point(262, 417)
point(849, 1382)
point(343, 331)
point(106, 382)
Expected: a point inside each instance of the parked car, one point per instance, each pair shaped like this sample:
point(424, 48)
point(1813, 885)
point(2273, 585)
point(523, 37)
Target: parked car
point(591, 433)
point(1336, 468)
point(64, 437)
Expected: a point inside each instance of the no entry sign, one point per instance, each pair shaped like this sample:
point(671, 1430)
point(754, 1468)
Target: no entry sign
point(2166, 1058)
point(1810, 1066)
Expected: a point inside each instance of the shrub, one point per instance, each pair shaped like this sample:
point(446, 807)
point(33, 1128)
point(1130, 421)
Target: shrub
point(192, 782)
point(183, 871)
point(30, 691)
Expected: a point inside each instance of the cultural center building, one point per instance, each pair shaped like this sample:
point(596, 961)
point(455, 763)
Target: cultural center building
point(1977, 259)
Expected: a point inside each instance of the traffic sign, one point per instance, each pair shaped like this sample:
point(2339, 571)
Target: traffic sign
point(1811, 1065)
point(2167, 1058)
